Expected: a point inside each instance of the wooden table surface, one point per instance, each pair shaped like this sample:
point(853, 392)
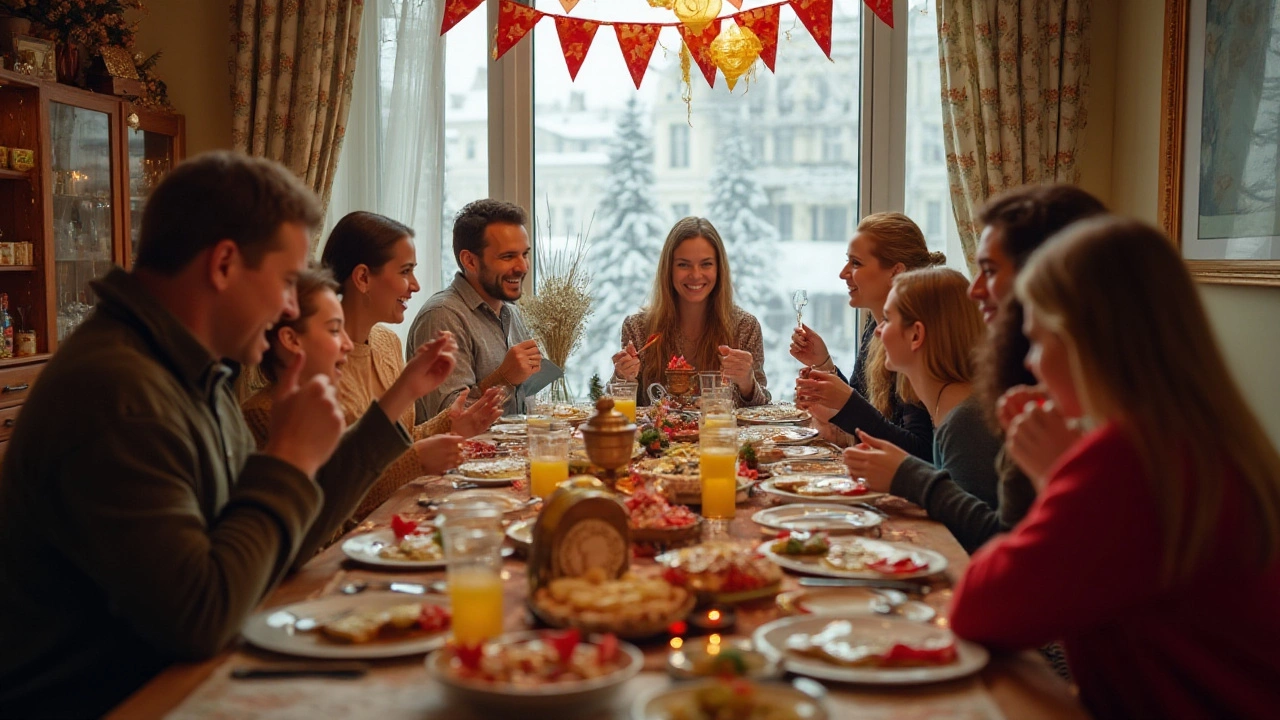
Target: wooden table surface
point(1012, 686)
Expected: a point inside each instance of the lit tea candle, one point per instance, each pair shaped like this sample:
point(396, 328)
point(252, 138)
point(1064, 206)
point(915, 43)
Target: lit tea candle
point(714, 619)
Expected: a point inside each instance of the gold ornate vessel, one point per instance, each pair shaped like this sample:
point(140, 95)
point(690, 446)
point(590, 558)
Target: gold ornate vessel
point(609, 438)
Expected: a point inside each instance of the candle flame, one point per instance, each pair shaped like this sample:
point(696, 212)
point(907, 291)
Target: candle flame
point(714, 639)
point(677, 643)
point(713, 616)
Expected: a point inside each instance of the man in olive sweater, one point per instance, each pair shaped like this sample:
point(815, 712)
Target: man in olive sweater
point(138, 525)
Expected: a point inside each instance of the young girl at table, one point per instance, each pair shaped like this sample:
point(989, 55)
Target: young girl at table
point(1152, 549)
point(928, 330)
point(317, 339)
point(372, 258)
point(884, 246)
point(694, 314)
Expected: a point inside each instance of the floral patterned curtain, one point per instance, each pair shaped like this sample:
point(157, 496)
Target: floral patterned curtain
point(1015, 76)
point(293, 63)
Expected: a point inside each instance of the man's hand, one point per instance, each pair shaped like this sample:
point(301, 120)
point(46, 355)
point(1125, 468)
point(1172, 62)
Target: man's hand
point(471, 421)
point(875, 461)
point(521, 362)
point(439, 454)
point(306, 420)
point(626, 363)
point(808, 347)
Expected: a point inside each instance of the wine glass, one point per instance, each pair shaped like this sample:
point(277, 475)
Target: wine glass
point(798, 301)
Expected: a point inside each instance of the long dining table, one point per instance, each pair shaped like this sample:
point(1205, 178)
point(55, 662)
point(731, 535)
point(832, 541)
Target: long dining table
point(1020, 685)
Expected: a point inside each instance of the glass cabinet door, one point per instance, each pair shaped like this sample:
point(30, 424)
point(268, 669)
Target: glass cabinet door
point(83, 228)
point(151, 156)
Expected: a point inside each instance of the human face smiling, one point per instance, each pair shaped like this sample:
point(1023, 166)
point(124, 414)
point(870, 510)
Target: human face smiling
point(255, 299)
point(322, 338)
point(504, 262)
point(994, 279)
point(895, 336)
point(867, 279)
point(1049, 359)
point(694, 270)
point(394, 283)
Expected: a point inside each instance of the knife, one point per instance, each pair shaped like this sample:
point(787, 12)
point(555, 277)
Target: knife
point(903, 585)
point(349, 671)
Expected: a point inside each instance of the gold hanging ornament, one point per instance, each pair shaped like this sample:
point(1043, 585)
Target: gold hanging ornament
point(686, 93)
point(696, 14)
point(662, 3)
point(734, 51)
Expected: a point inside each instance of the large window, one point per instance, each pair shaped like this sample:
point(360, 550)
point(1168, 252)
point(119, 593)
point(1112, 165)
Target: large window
point(466, 127)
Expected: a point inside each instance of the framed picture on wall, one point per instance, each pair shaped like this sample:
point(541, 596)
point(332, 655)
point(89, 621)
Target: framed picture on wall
point(38, 52)
point(1220, 138)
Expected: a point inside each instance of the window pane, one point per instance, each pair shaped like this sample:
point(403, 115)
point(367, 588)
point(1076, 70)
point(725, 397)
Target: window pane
point(928, 196)
point(466, 122)
point(641, 167)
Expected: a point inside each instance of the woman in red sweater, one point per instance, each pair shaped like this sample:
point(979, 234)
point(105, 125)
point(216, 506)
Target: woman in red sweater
point(1151, 552)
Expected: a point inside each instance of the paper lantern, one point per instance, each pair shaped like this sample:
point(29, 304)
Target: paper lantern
point(696, 14)
point(734, 50)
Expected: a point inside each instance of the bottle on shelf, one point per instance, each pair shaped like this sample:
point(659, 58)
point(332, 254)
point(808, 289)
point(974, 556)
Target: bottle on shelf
point(6, 328)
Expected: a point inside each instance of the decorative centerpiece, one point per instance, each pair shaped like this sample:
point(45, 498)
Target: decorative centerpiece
point(557, 313)
point(679, 387)
point(609, 438)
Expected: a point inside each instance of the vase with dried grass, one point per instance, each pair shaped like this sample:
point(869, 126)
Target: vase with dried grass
point(558, 309)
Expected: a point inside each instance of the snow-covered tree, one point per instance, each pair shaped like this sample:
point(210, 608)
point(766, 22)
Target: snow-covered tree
point(737, 200)
point(625, 250)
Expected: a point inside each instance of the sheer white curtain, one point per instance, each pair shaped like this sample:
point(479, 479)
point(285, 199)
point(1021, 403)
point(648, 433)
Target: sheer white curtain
point(393, 156)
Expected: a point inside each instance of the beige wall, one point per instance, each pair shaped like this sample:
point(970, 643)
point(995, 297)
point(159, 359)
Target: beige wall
point(1246, 319)
point(193, 36)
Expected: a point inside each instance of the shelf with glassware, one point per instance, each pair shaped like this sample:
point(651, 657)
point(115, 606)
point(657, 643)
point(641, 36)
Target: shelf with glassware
point(22, 206)
point(153, 146)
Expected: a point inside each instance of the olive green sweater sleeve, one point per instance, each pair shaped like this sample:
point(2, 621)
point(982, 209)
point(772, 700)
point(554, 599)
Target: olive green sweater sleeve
point(183, 585)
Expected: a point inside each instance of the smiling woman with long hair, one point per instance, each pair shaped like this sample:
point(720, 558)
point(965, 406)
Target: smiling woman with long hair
point(693, 311)
point(1171, 497)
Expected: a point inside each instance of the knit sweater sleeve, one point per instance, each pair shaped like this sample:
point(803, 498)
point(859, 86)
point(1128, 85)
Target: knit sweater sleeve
point(915, 434)
point(970, 520)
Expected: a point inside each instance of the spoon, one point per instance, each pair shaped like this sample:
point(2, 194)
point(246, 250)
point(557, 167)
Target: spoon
point(798, 301)
point(464, 485)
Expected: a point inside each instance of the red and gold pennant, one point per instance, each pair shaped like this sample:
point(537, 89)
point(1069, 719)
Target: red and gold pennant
point(575, 41)
point(455, 10)
point(737, 4)
point(816, 16)
point(569, 5)
point(514, 22)
point(637, 40)
point(700, 47)
point(763, 21)
point(883, 10)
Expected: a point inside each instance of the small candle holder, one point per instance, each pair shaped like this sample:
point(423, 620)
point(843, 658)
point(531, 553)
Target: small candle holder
point(714, 619)
point(717, 656)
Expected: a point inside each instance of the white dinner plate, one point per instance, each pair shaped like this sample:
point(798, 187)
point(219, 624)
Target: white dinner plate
point(772, 415)
point(790, 497)
point(511, 429)
point(806, 452)
point(813, 564)
point(473, 471)
point(777, 434)
point(364, 549)
point(817, 517)
point(502, 498)
point(273, 629)
point(772, 639)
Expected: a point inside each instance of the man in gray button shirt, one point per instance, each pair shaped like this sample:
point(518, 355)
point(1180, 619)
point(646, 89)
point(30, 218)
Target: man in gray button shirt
point(495, 348)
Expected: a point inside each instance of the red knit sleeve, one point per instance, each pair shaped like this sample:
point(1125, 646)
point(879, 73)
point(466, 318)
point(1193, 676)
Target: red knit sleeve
point(1089, 548)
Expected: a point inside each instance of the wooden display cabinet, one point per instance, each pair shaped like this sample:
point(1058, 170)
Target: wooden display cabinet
point(80, 207)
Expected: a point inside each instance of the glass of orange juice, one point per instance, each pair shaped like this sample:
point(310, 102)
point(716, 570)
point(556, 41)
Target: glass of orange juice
point(624, 397)
point(472, 536)
point(548, 459)
point(718, 470)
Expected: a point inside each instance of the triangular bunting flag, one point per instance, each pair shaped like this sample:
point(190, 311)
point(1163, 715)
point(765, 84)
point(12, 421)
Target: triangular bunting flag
point(637, 40)
point(455, 10)
point(736, 3)
point(569, 5)
point(763, 21)
point(514, 22)
point(882, 8)
point(816, 16)
point(700, 47)
point(575, 41)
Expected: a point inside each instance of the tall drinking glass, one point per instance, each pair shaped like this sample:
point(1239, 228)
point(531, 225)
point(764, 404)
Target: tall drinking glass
point(718, 468)
point(548, 459)
point(624, 397)
point(472, 535)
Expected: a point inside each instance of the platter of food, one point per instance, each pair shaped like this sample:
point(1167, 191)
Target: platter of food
point(771, 454)
point(495, 471)
point(509, 429)
point(854, 557)
point(816, 517)
point(712, 699)
point(777, 434)
point(417, 548)
point(630, 606)
point(537, 671)
point(502, 498)
point(721, 572)
point(878, 651)
point(656, 522)
point(782, 414)
point(352, 627)
point(829, 466)
point(860, 601)
point(818, 488)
